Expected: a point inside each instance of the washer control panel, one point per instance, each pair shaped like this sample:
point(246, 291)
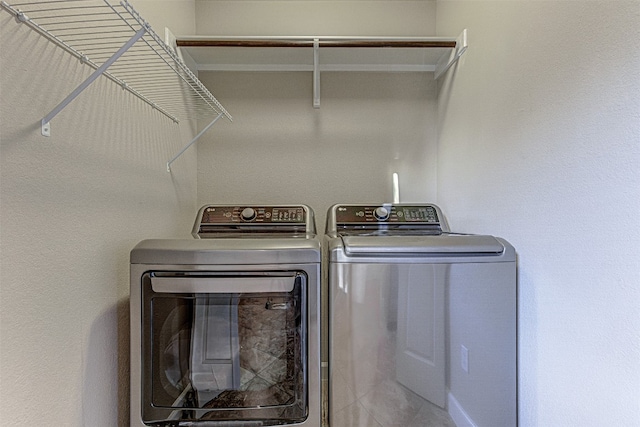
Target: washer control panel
point(391, 214)
point(253, 214)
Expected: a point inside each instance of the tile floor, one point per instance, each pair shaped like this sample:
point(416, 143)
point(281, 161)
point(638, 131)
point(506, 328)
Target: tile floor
point(389, 404)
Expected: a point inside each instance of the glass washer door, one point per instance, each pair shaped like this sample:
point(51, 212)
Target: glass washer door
point(213, 354)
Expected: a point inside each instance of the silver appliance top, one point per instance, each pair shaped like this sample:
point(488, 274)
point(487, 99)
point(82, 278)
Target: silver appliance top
point(239, 235)
point(404, 232)
point(254, 221)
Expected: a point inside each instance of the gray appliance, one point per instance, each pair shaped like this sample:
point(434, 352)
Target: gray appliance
point(225, 325)
point(422, 321)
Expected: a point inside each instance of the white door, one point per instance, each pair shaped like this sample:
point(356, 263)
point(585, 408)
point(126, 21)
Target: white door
point(215, 349)
point(420, 351)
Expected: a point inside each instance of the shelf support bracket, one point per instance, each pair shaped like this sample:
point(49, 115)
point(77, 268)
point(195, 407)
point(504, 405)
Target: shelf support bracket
point(316, 73)
point(193, 141)
point(444, 64)
point(46, 127)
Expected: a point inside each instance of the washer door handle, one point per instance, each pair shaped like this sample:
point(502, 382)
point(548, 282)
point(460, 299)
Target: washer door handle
point(222, 285)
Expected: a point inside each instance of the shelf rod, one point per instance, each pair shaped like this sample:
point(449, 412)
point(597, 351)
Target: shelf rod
point(316, 73)
point(238, 42)
point(193, 141)
point(46, 127)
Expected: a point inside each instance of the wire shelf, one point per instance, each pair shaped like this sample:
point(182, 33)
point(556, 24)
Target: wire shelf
point(118, 43)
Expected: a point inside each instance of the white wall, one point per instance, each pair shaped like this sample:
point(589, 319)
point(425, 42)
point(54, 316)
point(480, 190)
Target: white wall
point(316, 17)
point(540, 143)
point(281, 150)
point(178, 15)
point(71, 208)
point(540, 117)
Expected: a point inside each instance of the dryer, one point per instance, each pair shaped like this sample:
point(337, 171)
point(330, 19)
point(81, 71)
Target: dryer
point(225, 325)
point(422, 321)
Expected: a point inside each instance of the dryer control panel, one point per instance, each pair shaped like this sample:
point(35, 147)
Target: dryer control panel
point(213, 220)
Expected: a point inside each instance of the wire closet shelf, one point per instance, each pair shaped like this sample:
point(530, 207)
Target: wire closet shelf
point(114, 40)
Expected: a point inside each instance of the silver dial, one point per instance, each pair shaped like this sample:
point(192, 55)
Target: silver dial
point(381, 213)
point(248, 214)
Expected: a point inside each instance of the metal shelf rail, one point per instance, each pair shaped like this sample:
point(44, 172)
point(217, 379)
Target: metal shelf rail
point(119, 44)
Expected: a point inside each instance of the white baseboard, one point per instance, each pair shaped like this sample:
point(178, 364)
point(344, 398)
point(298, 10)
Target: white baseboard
point(457, 413)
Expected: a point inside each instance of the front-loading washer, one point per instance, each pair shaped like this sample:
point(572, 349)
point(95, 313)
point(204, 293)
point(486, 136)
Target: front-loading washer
point(422, 321)
point(225, 325)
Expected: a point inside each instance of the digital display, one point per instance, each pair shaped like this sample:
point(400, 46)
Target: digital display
point(287, 215)
point(424, 214)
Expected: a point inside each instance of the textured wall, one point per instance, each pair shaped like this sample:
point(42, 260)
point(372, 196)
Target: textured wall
point(279, 149)
point(316, 17)
point(540, 118)
point(71, 208)
point(178, 15)
point(540, 143)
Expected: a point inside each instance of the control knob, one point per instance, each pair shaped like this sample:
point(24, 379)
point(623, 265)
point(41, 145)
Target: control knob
point(248, 214)
point(381, 213)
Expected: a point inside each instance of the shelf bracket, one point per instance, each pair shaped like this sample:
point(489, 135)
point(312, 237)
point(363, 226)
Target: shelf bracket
point(445, 63)
point(46, 127)
point(316, 73)
point(193, 141)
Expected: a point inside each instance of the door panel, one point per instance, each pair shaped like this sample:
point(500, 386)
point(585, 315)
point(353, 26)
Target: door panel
point(420, 351)
point(215, 348)
point(384, 341)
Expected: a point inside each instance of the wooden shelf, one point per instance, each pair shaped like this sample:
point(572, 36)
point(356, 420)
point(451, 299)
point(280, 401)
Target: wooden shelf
point(327, 53)
point(365, 42)
point(317, 54)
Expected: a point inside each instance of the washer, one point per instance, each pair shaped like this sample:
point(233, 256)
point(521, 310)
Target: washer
point(419, 318)
point(225, 325)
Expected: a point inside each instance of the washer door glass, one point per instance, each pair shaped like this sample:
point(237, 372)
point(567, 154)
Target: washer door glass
point(210, 353)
